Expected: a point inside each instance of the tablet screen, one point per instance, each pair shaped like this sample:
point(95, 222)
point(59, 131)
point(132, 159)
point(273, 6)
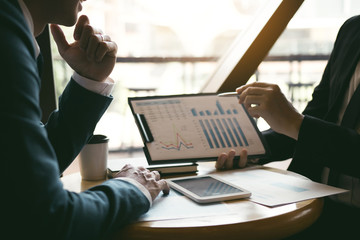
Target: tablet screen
point(207, 186)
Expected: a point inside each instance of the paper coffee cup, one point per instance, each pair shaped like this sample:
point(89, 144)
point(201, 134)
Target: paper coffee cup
point(93, 158)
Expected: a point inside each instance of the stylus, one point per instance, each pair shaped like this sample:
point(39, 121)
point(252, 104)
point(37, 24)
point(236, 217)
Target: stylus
point(228, 94)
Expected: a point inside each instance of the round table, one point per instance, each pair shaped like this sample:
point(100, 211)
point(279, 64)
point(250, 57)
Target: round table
point(249, 221)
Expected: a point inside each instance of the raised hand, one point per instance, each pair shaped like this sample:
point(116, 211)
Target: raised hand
point(92, 54)
point(267, 101)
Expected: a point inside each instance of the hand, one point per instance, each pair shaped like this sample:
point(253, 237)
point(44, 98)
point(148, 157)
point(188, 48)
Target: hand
point(92, 55)
point(150, 180)
point(267, 101)
point(226, 160)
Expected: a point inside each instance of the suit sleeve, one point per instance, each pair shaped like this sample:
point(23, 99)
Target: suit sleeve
point(33, 201)
point(71, 126)
point(282, 147)
point(322, 142)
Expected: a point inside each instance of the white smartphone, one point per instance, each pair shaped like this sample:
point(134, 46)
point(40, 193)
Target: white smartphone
point(207, 188)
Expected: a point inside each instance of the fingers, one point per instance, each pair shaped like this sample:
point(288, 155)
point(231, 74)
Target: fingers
point(89, 41)
point(82, 21)
point(93, 41)
point(251, 102)
point(241, 89)
point(151, 180)
point(141, 168)
point(256, 90)
point(243, 158)
point(85, 34)
point(164, 186)
point(104, 48)
point(257, 97)
point(126, 167)
point(154, 184)
point(59, 38)
point(155, 175)
point(256, 94)
point(221, 161)
point(225, 160)
point(230, 161)
point(125, 171)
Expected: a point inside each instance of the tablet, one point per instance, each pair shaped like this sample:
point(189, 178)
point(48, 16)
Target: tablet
point(206, 188)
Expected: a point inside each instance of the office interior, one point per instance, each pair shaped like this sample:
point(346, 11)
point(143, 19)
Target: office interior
point(181, 47)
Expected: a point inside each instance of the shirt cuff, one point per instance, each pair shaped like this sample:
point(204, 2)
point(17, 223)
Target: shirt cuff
point(139, 186)
point(104, 88)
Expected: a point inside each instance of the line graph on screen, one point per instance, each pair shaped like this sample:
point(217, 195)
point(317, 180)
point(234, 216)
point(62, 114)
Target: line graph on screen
point(178, 143)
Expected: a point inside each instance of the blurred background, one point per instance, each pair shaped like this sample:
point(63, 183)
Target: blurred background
point(172, 47)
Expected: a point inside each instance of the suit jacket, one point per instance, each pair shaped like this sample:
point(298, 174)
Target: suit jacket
point(33, 201)
point(322, 143)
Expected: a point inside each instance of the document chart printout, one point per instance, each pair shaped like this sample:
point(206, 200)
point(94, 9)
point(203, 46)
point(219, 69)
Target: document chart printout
point(273, 189)
point(197, 126)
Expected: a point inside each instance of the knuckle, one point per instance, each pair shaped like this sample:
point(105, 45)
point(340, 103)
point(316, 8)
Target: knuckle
point(246, 100)
point(88, 29)
point(163, 184)
point(102, 46)
point(247, 91)
point(115, 45)
point(107, 37)
point(276, 88)
point(141, 168)
point(93, 38)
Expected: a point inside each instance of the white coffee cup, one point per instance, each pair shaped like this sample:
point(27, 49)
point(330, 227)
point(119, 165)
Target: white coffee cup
point(93, 158)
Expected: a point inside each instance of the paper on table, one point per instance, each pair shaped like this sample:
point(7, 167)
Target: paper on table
point(175, 206)
point(268, 188)
point(272, 189)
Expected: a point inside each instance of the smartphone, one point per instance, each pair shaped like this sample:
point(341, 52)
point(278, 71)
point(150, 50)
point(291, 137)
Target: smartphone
point(207, 188)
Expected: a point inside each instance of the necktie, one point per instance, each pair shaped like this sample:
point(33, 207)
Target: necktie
point(350, 119)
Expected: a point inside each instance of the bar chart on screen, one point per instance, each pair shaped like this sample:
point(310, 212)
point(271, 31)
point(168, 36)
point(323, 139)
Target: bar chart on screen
point(199, 126)
point(222, 129)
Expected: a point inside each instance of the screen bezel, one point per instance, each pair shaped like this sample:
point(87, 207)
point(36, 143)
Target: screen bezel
point(208, 199)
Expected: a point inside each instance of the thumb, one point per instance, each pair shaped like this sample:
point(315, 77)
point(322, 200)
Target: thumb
point(59, 38)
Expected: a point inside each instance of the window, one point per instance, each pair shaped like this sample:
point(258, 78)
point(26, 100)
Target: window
point(165, 47)
point(173, 47)
point(297, 60)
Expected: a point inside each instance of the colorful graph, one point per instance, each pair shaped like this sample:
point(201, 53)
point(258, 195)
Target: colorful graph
point(177, 144)
point(219, 111)
point(222, 129)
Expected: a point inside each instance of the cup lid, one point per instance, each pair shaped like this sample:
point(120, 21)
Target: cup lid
point(98, 138)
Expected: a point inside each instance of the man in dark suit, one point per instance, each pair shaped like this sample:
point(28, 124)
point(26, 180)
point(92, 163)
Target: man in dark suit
point(33, 201)
point(323, 141)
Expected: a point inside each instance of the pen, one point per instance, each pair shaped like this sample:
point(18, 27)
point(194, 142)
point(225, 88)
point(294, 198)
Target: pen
point(228, 94)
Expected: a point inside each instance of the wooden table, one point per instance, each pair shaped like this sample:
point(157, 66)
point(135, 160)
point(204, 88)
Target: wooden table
point(251, 221)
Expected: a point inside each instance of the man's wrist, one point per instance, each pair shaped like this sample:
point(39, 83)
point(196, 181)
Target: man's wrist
point(104, 88)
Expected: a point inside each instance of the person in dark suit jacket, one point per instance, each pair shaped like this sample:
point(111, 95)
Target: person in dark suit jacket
point(33, 202)
point(323, 141)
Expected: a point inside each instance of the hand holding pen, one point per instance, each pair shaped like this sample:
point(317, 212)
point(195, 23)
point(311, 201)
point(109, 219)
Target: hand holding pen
point(267, 101)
